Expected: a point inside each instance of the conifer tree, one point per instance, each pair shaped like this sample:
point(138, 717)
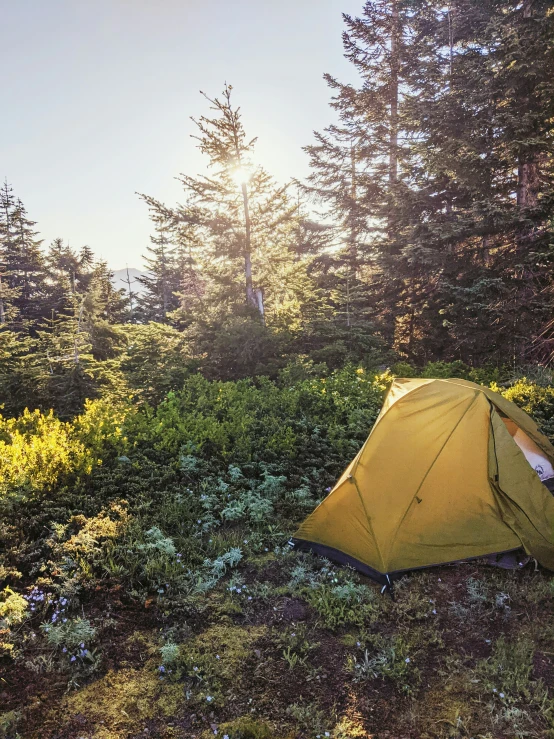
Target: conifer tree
point(27, 271)
point(9, 292)
point(475, 219)
point(160, 279)
point(67, 363)
point(223, 138)
point(240, 251)
point(454, 173)
point(358, 163)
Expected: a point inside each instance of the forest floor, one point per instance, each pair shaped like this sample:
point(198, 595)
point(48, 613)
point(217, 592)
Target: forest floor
point(282, 650)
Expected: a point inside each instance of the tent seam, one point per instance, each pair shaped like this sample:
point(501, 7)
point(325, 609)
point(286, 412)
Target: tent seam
point(380, 418)
point(370, 526)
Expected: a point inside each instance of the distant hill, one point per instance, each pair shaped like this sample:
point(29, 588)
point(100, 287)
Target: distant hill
point(119, 279)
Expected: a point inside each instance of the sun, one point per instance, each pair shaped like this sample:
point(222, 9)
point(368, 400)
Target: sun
point(240, 175)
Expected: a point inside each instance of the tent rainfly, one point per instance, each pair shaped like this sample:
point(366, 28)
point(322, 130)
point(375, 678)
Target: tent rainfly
point(450, 471)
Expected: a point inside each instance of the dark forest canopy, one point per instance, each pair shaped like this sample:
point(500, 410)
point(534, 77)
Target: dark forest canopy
point(435, 243)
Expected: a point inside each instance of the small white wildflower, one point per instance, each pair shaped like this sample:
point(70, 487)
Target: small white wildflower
point(494, 690)
point(209, 698)
point(358, 644)
point(501, 695)
point(434, 611)
point(217, 656)
point(195, 669)
point(407, 660)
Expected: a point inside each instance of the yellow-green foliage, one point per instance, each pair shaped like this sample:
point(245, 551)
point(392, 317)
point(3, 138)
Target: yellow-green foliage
point(38, 451)
point(100, 428)
point(535, 399)
point(107, 525)
point(215, 659)
point(123, 700)
point(13, 609)
point(243, 728)
point(350, 728)
point(232, 643)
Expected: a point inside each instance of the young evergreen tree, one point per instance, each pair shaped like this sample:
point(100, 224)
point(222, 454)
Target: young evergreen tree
point(223, 139)
point(241, 250)
point(161, 280)
point(26, 267)
point(104, 307)
point(9, 292)
point(65, 359)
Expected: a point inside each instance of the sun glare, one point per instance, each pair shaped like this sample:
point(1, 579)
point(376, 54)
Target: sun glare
point(240, 175)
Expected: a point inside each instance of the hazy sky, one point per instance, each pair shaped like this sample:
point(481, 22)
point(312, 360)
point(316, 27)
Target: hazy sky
point(97, 97)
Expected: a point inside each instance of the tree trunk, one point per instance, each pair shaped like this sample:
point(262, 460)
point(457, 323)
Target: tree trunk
point(528, 175)
point(394, 70)
point(2, 310)
point(393, 123)
point(128, 281)
point(352, 264)
point(250, 297)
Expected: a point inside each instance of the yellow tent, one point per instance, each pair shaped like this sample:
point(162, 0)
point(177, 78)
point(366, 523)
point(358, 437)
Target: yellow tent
point(444, 475)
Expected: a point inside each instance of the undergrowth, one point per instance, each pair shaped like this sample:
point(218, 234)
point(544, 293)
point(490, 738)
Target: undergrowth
point(147, 582)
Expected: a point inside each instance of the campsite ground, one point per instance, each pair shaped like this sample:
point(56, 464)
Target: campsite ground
point(298, 648)
point(148, 589)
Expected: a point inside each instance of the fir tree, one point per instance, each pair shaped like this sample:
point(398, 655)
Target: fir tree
point(160, 280)
point(9, 292)
point(27, 266)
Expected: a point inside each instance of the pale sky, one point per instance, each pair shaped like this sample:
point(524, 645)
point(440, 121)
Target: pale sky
point(97, 97)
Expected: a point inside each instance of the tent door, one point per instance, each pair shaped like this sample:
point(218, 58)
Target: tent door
point(531, 451)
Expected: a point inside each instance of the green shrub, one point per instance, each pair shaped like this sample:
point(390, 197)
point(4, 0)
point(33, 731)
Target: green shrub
point(71, 634)
point(536, 400)
point(507, 673)
point(393, 659)
point(13, 610)
point(346, 603)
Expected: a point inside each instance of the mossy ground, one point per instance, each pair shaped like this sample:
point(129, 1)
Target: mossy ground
point(462, 651)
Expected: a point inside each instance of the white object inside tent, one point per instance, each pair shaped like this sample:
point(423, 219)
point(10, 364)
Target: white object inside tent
point(533, 454)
